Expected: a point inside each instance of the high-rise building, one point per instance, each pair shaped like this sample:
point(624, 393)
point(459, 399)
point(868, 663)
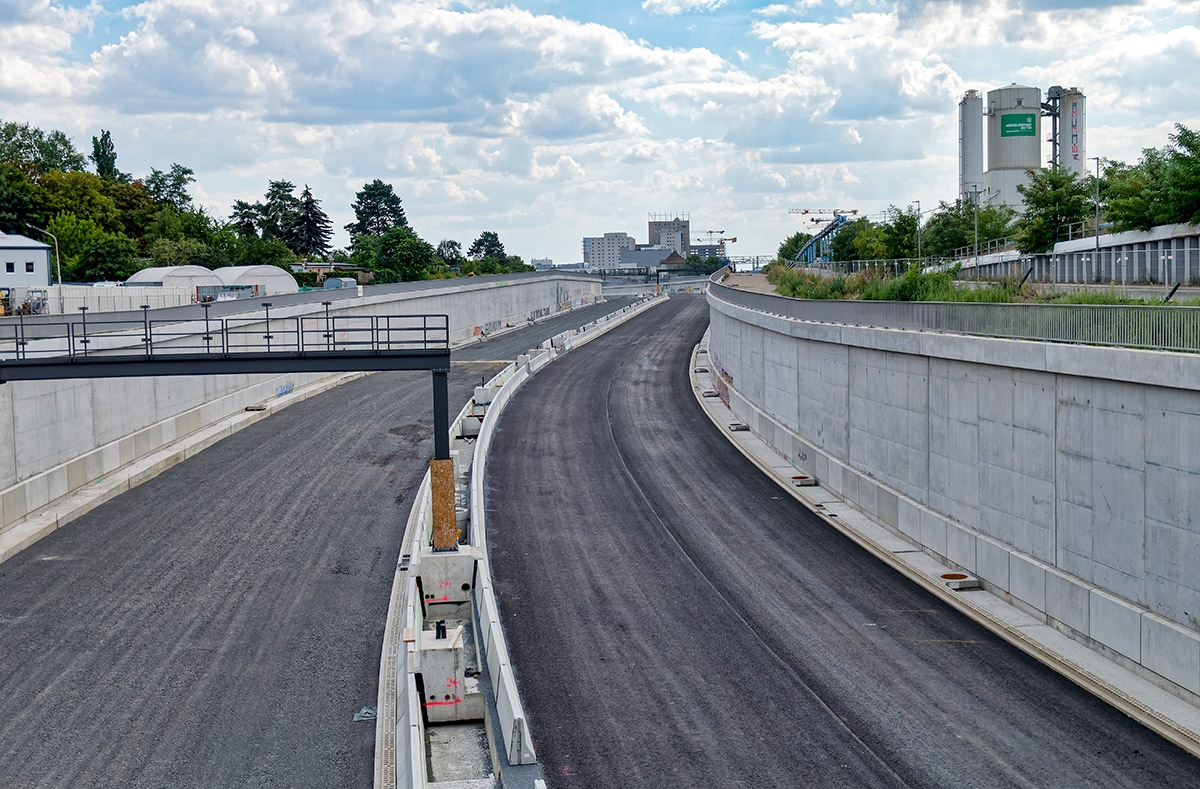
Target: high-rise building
point(670, 225)
point(605, 251)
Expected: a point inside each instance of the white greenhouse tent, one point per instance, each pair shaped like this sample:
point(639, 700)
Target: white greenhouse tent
point(189, 277)
point(267, 280)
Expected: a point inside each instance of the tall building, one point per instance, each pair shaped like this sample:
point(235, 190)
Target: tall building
point(677, 228)
point(605, 251)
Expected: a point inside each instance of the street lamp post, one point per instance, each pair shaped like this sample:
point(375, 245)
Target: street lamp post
point(1097, 158)
point(57, 264)
point(918, 202)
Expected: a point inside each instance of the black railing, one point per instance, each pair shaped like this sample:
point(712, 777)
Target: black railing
point(225, 337)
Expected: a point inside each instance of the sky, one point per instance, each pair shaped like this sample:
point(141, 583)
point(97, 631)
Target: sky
point(550, 120)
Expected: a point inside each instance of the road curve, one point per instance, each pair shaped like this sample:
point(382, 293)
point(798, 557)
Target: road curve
point(219, 626)
point(675, 620)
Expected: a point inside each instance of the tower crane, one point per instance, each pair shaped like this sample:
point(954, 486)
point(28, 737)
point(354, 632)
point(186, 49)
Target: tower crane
point(721, 241)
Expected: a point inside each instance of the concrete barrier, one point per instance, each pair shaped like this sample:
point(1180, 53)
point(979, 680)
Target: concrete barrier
point(1064, 477)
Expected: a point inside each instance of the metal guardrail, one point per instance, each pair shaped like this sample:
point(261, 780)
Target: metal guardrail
point(1127, 326)
point(224, 337)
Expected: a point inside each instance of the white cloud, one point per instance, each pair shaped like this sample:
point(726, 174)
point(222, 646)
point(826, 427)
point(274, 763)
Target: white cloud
point(487, 115)
point(676, 7)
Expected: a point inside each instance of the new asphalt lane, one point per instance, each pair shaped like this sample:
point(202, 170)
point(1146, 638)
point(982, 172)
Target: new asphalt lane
point(219, 625)
point(676, 620)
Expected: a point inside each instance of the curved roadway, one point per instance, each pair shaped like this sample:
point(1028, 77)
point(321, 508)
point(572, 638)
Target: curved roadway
point(676, 620)
point(219, 625)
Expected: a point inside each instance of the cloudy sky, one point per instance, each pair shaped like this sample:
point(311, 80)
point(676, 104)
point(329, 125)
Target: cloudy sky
point(549, 120)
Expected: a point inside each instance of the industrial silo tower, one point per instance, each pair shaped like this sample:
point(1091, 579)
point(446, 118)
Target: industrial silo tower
point(1014, 135)
point(970, 147)
point(1069, 109)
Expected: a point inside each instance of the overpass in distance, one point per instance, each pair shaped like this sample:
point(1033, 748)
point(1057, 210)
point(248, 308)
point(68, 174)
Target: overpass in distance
point(707, 630)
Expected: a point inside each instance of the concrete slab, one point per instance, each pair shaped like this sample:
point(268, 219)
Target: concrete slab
point(1172, 651)
point(1116, 624)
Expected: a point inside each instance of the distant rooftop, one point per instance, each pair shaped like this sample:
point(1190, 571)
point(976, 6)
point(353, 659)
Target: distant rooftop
point(14, 241)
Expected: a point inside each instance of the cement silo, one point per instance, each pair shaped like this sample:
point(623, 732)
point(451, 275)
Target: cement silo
point(970, 146)
point(1014, 139)
point(1072, 112)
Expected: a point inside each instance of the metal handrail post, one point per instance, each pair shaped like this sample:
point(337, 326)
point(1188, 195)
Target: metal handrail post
point(267, 306)
point(146, 330)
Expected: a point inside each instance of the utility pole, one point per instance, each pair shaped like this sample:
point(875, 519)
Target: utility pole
point(975, 202)
point(918, 202)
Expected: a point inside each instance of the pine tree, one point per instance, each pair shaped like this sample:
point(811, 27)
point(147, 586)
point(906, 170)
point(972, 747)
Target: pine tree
point(310, 229)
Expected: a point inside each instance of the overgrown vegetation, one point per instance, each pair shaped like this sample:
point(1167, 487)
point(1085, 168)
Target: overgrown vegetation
point(879, 284)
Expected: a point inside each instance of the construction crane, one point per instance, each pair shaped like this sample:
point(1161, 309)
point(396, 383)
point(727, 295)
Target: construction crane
point(818, 213)
point(817, 248)
point(721, 241)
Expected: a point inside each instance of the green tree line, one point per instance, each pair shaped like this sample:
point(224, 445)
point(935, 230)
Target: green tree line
point(109, 224)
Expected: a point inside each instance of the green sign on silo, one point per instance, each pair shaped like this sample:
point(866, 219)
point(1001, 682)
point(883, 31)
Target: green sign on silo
point(1018, 124)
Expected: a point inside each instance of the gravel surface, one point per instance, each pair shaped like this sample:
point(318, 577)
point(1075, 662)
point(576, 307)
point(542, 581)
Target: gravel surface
point(219, 625)
point(676, 620)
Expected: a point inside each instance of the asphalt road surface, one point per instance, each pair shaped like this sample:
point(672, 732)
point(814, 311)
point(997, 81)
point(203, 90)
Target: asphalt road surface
point(219, 625)
point(676, 620)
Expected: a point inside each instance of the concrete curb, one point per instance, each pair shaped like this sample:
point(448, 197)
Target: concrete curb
point(1160, 711)
point(83, 500)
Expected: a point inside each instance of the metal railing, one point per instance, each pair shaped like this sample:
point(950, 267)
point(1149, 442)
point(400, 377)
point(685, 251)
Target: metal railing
point(1128, 326)
point(225, 337)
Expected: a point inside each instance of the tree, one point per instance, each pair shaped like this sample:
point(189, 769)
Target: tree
point(900, 234)
point(81, 194)
point(487, 245)
point(842, 247)
point(179, 252)
point(310, 228)
point(104, 157)
point(450, 251)
point(244, 219)
point(791, 246)
point(1055, 199)
point(264, 252)
point(37, 153)
point(112, 258)
point(870, 243)
point(1162, 188)
point(18, 199)
point(377, 210)
point(277, 212)
point(170, 188)
point(75, 236)
point(134, 205)
point(404, 252)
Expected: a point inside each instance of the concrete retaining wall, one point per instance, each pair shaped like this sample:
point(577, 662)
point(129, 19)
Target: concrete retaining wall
point(1065, 477)
point(58, 435)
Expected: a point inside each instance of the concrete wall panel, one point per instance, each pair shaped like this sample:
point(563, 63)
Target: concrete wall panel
point(1067, 476)
point(1116, 624)
point(1068, 600)
point(1171, 651)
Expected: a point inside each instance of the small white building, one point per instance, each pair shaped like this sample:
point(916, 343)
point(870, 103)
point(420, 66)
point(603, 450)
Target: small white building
point(266, 280)
point(190, 277)
point(24, 263)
